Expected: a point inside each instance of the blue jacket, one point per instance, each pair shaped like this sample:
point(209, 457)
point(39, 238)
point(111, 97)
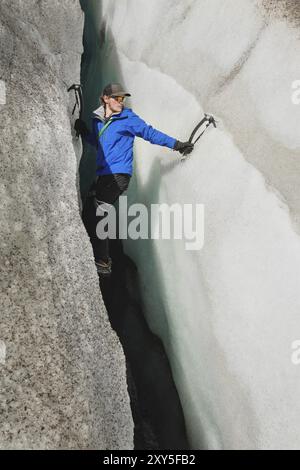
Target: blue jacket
point(115, 145)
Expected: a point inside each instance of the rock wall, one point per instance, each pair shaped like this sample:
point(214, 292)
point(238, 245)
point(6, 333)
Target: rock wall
point(63, 375)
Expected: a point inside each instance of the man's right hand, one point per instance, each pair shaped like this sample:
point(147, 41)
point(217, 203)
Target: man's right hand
point(183, 147)
point(81, 128)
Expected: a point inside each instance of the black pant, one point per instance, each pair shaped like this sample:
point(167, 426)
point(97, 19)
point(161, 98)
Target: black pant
point(106, 188)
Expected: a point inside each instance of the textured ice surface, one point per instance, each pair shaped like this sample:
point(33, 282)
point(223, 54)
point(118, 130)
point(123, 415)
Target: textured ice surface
point(62, 369)
point(229, 313)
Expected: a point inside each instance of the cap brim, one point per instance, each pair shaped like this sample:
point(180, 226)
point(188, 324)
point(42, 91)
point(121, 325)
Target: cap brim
point(121, 93)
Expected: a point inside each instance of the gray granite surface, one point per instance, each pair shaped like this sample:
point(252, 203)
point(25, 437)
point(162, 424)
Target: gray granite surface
point(63, 377)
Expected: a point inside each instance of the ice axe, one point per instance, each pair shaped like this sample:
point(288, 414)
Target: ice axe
point(79, 100)
point(208, 120)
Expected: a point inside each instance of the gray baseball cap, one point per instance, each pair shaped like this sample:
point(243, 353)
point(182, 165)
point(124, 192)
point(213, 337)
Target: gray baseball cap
point(114, 89)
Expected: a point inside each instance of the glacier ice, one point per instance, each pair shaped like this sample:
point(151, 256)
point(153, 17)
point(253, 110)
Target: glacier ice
point(229, 313)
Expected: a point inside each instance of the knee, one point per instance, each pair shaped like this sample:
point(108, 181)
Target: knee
point(102, 207)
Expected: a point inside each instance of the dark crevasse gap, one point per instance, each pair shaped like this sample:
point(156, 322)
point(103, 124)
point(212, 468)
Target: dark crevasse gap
point(156, 408)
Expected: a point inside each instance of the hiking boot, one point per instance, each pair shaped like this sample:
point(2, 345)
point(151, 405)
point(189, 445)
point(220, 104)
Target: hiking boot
point(104, 268)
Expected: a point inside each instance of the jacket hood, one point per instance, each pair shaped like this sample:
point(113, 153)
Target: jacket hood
point(99, 113)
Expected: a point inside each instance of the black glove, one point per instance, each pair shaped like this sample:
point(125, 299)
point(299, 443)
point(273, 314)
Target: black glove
point(80, 127)
point(183, 147)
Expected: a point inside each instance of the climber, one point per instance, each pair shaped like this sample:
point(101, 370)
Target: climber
point(114, 128)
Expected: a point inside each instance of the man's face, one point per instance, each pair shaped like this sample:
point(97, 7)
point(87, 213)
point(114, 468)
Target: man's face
point(114, 104)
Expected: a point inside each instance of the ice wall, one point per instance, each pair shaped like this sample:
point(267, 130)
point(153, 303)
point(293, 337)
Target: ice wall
point(63, 381)
point(229, 313)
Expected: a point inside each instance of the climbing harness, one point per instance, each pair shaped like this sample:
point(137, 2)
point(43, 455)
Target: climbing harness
point(207, 120)
point(79, 100)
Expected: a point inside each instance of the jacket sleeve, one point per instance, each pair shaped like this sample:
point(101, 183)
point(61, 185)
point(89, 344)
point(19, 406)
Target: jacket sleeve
point(140, 128)
point(91, 137)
